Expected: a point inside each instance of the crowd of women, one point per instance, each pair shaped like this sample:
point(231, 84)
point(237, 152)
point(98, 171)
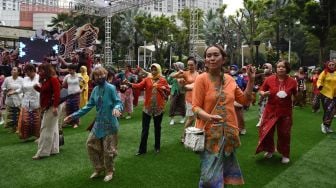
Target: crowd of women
point(57, 93)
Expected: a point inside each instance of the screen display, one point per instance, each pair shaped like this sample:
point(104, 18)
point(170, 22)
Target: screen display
point(34, 50)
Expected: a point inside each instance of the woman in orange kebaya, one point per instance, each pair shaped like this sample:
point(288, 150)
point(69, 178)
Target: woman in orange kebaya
point(156, 92)
point(213, 104)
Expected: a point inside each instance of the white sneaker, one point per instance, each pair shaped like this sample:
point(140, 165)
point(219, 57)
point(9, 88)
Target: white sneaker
point(329, 130)
point(108, 178)
point(128, 117)
point(323, 129)
point(171, 122)
point(2, 121)
point(243, 132)
point(285, 160)
point(268, 155)
point(258, 124)
point(182, 121)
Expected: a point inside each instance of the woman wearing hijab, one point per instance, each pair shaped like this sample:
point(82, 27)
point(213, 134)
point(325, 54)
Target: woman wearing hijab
point(156, 90)
point(268, 71)
point(84, 85)
point(177, 99)
point(326, 83)
point(187, 79)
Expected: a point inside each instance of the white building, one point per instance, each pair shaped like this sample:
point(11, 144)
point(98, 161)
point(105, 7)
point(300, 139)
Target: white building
point(42, 2)
point(172, 7)
point(9, 13)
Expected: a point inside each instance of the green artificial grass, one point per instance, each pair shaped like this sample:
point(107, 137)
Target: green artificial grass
point(174, 166)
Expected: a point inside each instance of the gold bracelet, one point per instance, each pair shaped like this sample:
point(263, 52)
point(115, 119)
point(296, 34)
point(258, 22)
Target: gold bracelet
point(197, 111)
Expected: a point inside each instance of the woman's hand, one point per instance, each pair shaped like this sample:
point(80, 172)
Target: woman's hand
point(215, 118)
point(54, 110)
point(264, 93)
point(251, 72)
point(67, 119)
point(10, 92)
point(116, 113)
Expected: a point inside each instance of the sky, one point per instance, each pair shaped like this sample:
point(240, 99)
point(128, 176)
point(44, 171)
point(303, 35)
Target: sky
point(232, 6)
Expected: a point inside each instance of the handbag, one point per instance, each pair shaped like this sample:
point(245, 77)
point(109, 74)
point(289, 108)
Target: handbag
point(61, 138)
point(194, 139)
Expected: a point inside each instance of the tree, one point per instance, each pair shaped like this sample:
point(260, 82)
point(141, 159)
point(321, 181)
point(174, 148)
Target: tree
point(157, 30)
point(62, 21)
point(319, 17)
point(130, 37)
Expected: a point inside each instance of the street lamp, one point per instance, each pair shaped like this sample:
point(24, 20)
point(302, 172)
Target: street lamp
point(257, 43)
point(170, 50)
point(242, 53)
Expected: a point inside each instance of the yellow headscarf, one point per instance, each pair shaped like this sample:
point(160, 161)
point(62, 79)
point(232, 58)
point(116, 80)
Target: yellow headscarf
point(158, 67)
point(84, 74)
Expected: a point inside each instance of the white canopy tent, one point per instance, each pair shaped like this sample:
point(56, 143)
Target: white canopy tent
point(147, 51)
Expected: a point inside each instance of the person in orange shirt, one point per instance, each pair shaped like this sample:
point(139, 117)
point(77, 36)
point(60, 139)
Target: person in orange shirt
point(156, 90)
point(213, 99)
point(187, 79)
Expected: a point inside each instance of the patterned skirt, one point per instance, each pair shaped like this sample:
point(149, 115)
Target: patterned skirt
point(29, 123)
point(218, 170)
point(127, 100)
point(12, 117)
point(177, 105)
point(72, 105)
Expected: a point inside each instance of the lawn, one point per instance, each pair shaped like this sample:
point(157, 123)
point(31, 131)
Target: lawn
point(311, 163)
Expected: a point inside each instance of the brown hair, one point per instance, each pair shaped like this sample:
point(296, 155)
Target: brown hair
point(221, 50)
point(191, 58)
point(72, 67)
point(99, 70)
point(29, 68)
point(48, 70)
point(287, 65)
point(224, 55)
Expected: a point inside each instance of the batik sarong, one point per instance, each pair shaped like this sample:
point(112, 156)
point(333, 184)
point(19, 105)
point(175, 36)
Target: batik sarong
point(12, 117)
point(29, 123)
point(72, 105)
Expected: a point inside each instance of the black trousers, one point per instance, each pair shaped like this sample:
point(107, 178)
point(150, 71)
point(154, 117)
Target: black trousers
point(145, 129)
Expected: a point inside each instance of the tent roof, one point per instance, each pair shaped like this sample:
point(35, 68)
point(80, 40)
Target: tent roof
point(150, 48)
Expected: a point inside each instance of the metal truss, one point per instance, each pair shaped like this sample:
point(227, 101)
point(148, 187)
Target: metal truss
point(193, 35)
point(108, 50)
point(107, 8)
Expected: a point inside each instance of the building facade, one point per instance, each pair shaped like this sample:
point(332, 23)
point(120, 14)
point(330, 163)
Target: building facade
point(20, 13)
point(9, 12)
point(172, 7)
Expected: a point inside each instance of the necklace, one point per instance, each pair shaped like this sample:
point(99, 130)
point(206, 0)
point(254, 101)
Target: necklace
point(213, 78)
